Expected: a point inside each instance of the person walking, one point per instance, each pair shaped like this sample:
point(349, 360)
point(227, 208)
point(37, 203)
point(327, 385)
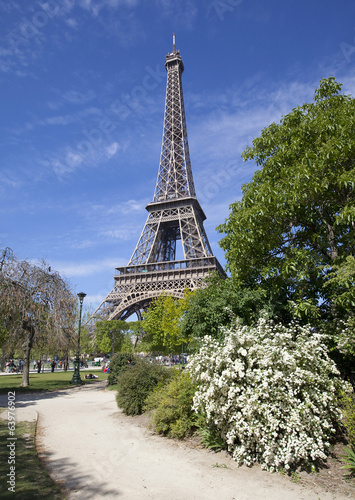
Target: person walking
point(39, 364)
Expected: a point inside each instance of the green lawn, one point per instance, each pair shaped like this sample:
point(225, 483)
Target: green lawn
point(31, 479)
point(45, 381)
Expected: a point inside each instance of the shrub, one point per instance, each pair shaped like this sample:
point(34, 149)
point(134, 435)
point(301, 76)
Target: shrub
point(270, 391)
point(209, 435)
point(118, 364)
point(349, 460)
point(171, 406)
point(347, 404)
point(136, 382)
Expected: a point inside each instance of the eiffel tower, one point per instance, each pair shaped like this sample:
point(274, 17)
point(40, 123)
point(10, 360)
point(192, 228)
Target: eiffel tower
point(173, 215)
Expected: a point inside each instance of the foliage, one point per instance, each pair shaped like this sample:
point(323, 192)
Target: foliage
point(135, 384)
point(162, 323)
point(171, 406)
point(119, 363)
point(127, 347)
point(37, 308)
point(341, 281)
point(347, 404)
point(209, 308)
point(110, 335)
point(346, 338)
point(341, 284)
point(210, 436)
point(270, 391)
point(349, 459)
point(135, 333)
point(296, 220)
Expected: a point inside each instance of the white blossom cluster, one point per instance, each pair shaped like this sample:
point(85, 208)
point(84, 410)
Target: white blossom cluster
point(346, 338)
point(270, 391)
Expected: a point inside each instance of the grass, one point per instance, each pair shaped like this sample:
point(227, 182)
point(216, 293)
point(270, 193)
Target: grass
point(31, 479)
point(44, 381)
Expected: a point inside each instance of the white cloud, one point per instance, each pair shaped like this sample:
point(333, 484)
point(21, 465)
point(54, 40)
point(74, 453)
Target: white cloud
point(127, 207)
point(76, 269)
point(120, 234)
point(95, 299)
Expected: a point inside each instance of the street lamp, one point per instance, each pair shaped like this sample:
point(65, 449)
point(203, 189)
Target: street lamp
point(76, 376)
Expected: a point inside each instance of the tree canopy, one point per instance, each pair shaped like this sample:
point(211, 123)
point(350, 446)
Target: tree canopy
point(110, 335)
point(37, 308)
point(296, 219)
point(162, 323)
point(211, 307)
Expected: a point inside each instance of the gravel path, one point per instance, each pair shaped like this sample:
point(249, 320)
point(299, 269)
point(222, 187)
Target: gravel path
point(99, 453)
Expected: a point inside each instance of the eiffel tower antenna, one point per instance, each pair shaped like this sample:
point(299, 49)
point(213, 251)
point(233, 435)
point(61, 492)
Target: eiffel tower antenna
point(174, 215)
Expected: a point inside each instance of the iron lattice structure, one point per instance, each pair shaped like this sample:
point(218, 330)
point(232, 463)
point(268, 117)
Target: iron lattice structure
point(174, 215)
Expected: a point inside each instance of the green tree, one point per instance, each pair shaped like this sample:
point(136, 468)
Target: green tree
point(110, 335)
point(162, 323)
point(210, 308)
point(296, 219)
point(341, 286)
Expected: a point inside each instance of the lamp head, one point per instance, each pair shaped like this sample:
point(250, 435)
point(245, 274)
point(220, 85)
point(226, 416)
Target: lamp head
point(81, 296)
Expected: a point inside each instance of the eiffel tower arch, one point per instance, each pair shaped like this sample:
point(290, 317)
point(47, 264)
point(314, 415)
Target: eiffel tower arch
point(174, 215)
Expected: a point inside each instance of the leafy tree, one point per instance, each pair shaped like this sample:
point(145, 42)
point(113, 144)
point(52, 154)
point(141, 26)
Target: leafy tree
point(110, 335)
point(341, 286)
point(162, 323)
point(210, 308)
point(127, 346)
point(37, 308)
point(341, 283)
point(134, 337)
point(296, 219)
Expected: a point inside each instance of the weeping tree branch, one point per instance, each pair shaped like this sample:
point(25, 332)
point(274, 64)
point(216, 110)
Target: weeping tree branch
point(37, 307)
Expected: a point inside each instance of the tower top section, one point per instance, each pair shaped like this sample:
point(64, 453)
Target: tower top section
point(174, 58)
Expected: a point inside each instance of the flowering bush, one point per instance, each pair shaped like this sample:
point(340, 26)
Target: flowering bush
point(270, 391)
point(346, 337)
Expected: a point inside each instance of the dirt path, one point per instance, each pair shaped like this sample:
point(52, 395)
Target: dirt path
point(98, 453)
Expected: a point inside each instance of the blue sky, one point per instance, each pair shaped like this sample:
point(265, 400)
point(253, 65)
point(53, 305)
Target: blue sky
point(82, 105)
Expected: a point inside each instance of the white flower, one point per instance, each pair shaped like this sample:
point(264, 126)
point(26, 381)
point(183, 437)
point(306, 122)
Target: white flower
point(268, 390)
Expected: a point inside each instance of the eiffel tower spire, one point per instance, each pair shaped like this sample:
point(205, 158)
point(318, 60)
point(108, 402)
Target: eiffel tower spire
point(174, 215)
point(175, 176)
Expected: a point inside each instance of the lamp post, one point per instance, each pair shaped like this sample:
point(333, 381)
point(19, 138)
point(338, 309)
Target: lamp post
point(76, 376)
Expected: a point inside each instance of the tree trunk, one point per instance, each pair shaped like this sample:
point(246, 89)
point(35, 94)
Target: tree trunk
point(27, 346)
point(66, 362)
point(3, 360)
